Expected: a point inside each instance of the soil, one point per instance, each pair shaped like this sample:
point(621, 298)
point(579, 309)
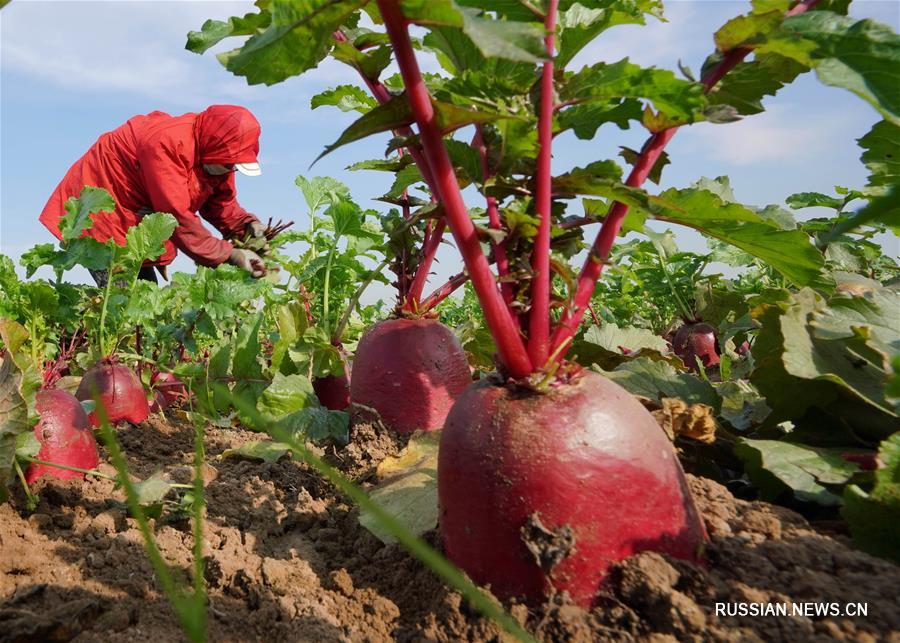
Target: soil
point(288, 561)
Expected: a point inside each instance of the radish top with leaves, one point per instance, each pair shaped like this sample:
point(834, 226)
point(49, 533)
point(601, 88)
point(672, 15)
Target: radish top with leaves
point(505, 91)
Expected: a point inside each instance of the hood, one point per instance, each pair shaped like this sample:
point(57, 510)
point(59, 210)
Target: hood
point(227, 134)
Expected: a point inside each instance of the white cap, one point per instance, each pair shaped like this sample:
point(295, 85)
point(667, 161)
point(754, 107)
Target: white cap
point(248, 169)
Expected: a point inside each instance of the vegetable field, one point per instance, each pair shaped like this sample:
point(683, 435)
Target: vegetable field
point(587, 433)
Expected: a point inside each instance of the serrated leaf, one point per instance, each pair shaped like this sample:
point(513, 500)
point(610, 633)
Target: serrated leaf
point(631, 156)
point(144, 242)
point(580, 23)
point(388, 116)
point(214, 31)
point(881, 154)
point(318, 423)
point(347, 98)
point(297, 38)
point(408, 488)
point(585, 119)
point(285, 395)
point(261, 450)
point(507, 39)
point(79, 210)
point(680, 101)
point(321, 190)
point(813, 200)
point(745, 86)
point(862, 56)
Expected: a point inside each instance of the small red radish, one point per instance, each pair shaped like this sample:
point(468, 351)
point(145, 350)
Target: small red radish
point(539, 490)
point(410, 371)
point(65, 435)
point(696, 340)
point(169, 389)
point(119, 390)
point(333, 391)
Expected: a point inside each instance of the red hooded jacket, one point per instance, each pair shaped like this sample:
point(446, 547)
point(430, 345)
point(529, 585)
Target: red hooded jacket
point(154, 163)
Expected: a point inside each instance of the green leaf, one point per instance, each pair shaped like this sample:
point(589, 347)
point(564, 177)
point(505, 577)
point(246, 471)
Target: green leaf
point(631, 157)
point(745, 86)
point(586, 118)
point(388, 116)
point(581, 23)
point(494, 38)
point(881, 154)
point(742, 405)
point(79, 210)
point(144, 241)
point(320, 191)
point(246, 363)
point(318, 424)
point(285, 395)
point(296, 39)
point(608, 345)
point(13, 419)
point(214, 31)
point(407, 488)
point(861, 56)
point(680, 101)
point(656, 380)
point(874, 517)
point(790, 252)
point(347, 98)
point(829, 382)
point(261, 450)
point(813, 200)
point(153, 490)
point(369, 63)
point(809, 473)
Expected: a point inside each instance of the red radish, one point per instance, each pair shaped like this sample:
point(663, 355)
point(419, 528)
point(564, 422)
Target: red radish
point(333, 391)
point(743, 349)
point(119, 390)
point(410, 371)
point(169, 389)
point(697, 340)
point(65, 436)
point(577, 478)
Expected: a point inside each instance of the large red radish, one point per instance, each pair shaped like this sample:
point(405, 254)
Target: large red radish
point(65, 435)
point(168, 389)
point(119, 390)
point(333, 391)
point(547, 490)
point(410, 371)
point(696, 340)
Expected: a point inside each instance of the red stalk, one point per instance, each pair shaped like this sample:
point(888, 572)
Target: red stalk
point(509, 345)
point(382, 95)
point(440, 294)
point(494, 219)
point(429, 250)
point(539, 317)
point(599, 252)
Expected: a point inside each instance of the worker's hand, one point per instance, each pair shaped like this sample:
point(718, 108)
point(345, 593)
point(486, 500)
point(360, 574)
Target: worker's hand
point(249, 261)
point(255, 237)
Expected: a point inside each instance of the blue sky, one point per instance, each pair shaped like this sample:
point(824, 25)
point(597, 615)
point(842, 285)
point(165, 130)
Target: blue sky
point(70, 70)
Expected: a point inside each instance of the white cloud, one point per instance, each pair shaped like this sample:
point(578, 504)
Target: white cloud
point(775, 135)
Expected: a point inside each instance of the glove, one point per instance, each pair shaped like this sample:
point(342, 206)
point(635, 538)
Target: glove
point(255, 237)
point(249, 261)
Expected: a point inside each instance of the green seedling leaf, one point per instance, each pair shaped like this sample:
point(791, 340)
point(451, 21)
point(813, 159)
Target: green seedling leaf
point(27, 445)
point(407, 488)
point(809, 473)
point(261, 450)
point(285, 395)
point(874, 516)
point(320, 191)
point(742, 406)
point(145, 241)
point(318, 424)
point(152, 491)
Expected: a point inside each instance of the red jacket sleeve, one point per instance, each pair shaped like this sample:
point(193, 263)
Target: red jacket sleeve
point(223, 210)
point(165, 174)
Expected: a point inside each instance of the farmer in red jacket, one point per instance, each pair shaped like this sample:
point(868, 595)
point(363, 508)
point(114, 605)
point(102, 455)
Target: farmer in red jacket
point(177, 164)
